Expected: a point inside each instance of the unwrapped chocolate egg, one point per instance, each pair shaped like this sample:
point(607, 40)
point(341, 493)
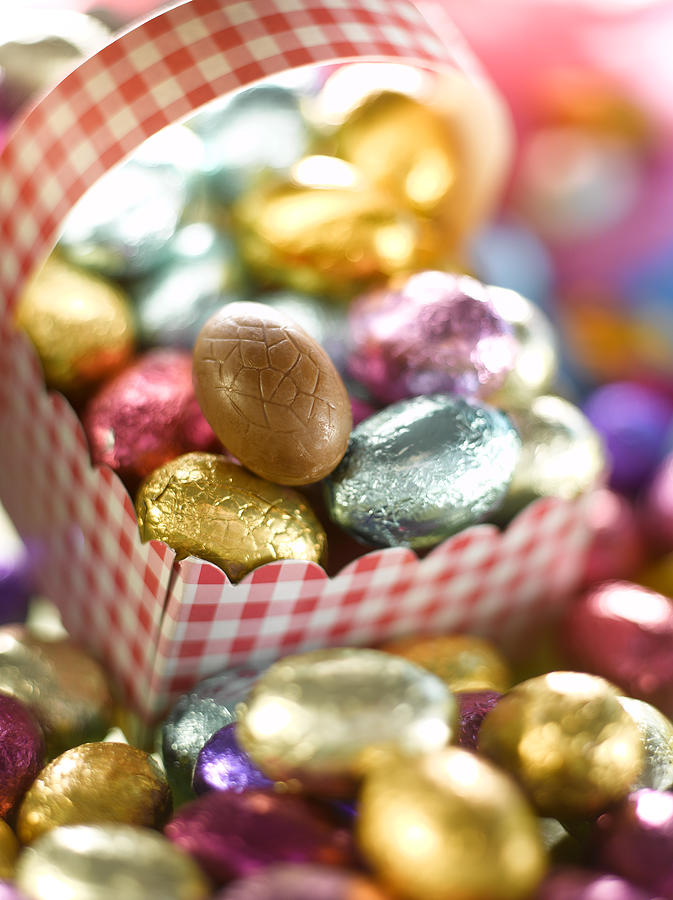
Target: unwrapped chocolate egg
point(95, 783)
point(421, 470)
point(635, 649)
point(21, 752)
point(656, 735)
point(202, 505)
point(107, 862)
point(562, 454)
point(536, 360)
point(146, 416)
point(448, 825)
point(288, 881)
point(271, 394)
point(567, 740)
point(198, 714)
point(222, 766)
point(463, 662)
point(122, 226)
point(231, 835)
point(66, 689)
point(321, 718)
point(326, 231)
point(201, 273)
point(431, 332)
point(81, 326)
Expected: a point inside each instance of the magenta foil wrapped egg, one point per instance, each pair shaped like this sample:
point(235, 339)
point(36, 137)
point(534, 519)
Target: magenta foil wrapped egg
point(435, 332)
point(303, 882)
point(232, 835)
point(21, 752)
point(146, 416)
point(570, 883)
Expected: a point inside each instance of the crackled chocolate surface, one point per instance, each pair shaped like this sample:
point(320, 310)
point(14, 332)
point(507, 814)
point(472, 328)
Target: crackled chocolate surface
point(271, 394)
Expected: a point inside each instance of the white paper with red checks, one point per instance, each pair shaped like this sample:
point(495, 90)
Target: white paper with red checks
point(160, 629)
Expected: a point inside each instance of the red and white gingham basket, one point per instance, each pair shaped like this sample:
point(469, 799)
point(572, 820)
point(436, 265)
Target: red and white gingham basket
point(159, 627)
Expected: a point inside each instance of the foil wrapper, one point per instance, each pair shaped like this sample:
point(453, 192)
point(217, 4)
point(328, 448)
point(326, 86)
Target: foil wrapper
point(288, 881)
point(106, 862)
point(202, 505)
point(22, 752)
point(223, 766)
point(432, 332)
point(421, 470)
point(656, 734)
point(201, 273)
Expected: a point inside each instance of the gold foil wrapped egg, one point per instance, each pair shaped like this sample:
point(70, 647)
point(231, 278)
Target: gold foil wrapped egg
point(108, 862)
point(536, 360)
point(9, 850)
point(94, 783)
point(325, 231)
point(656, 735)
point(462, 661)
point(568, 741)
point(562, 454)
point(404, 147)
point(449, 825)
point(202, 505)
point(64, 687)
point(81, 326)
point(322, 718)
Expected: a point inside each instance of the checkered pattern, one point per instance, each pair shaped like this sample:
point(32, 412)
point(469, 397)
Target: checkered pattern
point(481, 581)
point(111, 589)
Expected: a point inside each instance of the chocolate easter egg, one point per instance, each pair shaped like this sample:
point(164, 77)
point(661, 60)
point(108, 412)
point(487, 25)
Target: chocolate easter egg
point(202, 505)
point(271, 394)
point(421, 470)
point(21, 752)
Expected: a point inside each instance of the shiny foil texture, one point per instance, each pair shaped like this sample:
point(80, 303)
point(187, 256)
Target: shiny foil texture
point(146, 416)
point(322, 718)
point(95, 783)
point(288, 881)
point(656, 735)
point(232, 835)
point(472, 707)
point(9, 851)
point(201, 273)
point(635, 840)
point(65, 688)
point(198, 714)
point(271, 394)
point(463, 662)
point(432, 332)
point(567, 740)
point(448, 825)
point(562, 455)
point(108, 862)
point(422, 470)
point(222, 766)
point(569, 883)
point(21, 752)
point(326, 231)
point(635, 650)
point(123, 225)
point(202, 505)
point(81, 326)
point(406, 149)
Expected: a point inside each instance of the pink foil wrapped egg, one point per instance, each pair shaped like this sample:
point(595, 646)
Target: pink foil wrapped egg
point(146, 416)
point(435, 332)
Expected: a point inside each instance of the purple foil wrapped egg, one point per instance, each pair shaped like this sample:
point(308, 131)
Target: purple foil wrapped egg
point(21, 752)
point(15, 571)
point(146, 416)
point(435, 332)
point(223, 766)
point(657, 510)
point(635, 840)
point(570, 883)
point(635, 649)
point(232, 835)
point(303, 882)
point(634, 422)
point(472, 707)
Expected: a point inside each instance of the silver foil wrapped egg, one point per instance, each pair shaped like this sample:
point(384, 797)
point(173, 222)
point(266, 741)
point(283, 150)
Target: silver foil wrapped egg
point(122, 226)
point(202, 272)
point(421, 470)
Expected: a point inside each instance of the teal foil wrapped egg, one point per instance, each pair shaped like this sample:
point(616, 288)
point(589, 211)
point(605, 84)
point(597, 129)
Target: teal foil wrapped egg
point(422, 470)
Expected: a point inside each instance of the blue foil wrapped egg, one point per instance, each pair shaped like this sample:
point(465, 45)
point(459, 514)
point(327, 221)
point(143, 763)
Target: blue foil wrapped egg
point(421, 470)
